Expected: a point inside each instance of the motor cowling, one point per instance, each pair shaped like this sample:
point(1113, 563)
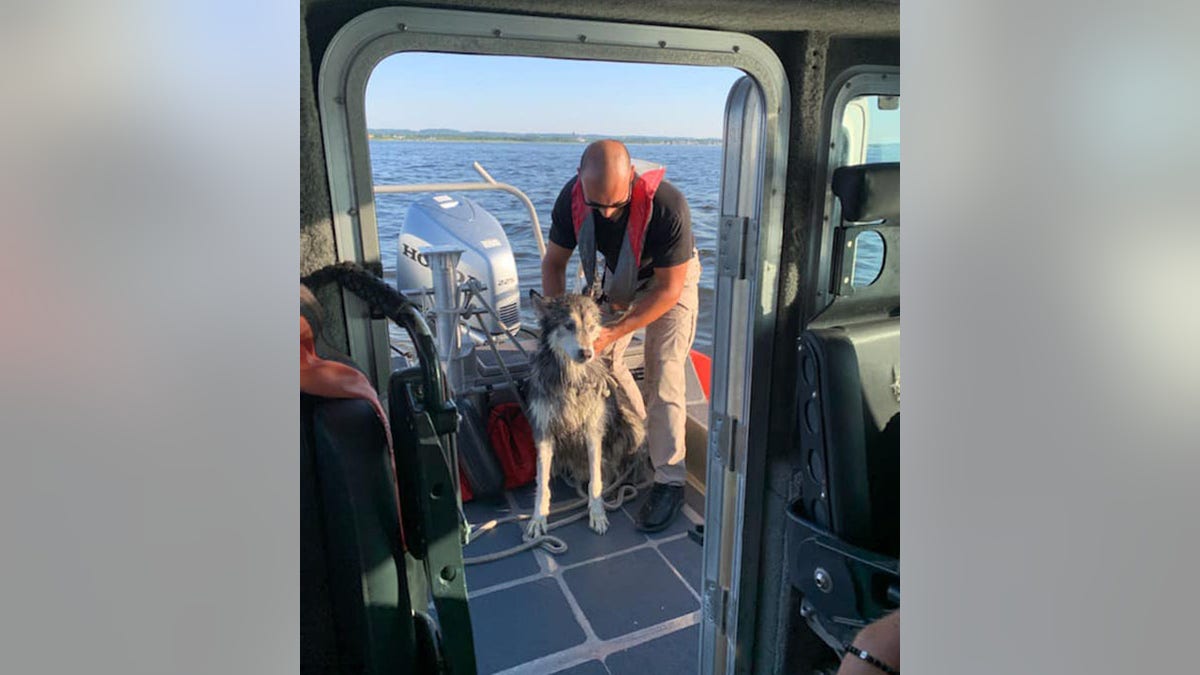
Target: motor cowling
point(444, 219)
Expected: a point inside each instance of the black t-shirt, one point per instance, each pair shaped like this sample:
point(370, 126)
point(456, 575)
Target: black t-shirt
point(668, 235)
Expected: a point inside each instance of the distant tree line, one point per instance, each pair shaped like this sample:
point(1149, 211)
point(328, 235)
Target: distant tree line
point(511, 137)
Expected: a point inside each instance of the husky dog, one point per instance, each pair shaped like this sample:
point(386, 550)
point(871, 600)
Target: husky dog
point(582, 420)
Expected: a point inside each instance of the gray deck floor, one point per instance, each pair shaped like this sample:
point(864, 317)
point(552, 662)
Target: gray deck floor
point(617, 604)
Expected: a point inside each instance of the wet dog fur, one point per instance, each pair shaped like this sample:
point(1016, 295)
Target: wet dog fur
point(583, 423)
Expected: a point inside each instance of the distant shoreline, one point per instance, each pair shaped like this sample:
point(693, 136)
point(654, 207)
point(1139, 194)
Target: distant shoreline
point(404, 138)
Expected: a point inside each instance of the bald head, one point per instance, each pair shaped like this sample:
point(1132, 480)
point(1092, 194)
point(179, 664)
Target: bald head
point(604, 156)
point(606, 172)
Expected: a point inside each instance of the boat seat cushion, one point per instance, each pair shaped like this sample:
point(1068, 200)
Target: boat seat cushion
point(355, 614)
point(850, 431)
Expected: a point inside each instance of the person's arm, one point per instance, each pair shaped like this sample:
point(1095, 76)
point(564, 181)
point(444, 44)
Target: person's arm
point(562, 243)
point(881, 640)
point(554, 270)
point(662, 296)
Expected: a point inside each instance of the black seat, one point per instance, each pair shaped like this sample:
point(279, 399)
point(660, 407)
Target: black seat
point(850, 375)
point(846, 524)
point(355, 612)
point(868, 192)
point(368, 597)
point(850, 441)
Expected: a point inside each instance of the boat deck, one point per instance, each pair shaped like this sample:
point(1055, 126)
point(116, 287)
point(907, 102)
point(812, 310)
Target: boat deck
point(620, 603)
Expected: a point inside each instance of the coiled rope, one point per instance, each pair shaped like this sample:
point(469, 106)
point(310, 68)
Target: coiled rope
point(624, 492)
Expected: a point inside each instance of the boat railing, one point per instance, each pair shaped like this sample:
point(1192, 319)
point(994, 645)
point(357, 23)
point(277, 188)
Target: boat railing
point(488, 183)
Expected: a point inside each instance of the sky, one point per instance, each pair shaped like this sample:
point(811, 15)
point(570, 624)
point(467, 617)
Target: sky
point(539, 95)
point(885, 125)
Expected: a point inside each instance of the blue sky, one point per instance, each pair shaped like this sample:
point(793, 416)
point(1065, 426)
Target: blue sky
point(885, 125)
point(518, 94)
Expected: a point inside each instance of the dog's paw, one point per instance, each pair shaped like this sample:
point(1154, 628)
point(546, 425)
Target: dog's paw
point(536, 527)
point(597, 518)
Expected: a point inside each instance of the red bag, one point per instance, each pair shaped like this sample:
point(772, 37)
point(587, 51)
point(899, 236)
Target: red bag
point(464, 486)
point(512, 442)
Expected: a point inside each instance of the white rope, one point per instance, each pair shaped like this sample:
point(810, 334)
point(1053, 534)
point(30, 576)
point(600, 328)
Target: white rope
point(551, 544)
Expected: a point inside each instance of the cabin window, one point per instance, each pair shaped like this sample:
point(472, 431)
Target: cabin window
point(526, 120)
point(868, 258)
point(870, 130)
point(869, 133)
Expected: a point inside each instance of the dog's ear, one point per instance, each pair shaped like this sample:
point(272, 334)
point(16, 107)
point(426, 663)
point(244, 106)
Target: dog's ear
point(539, 303)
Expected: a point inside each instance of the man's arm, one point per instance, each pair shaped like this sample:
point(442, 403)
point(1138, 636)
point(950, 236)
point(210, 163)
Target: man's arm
point(554, 270)
point(663, 294)
point(880, 639)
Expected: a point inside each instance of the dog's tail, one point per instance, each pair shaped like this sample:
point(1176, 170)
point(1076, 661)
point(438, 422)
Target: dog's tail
point(358, 280)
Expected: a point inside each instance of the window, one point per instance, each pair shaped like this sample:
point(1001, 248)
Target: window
point(526, 120)
point(869, 133)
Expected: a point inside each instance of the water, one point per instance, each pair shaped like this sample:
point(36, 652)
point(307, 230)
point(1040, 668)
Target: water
point(883, 152)
point(868, 259)
point(540, 170)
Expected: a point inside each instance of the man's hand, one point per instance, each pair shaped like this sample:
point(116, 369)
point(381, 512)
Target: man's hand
point(608, 335)
point(662, 296)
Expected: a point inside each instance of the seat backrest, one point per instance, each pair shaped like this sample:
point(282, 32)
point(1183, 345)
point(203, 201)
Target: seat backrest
point(869, 195)
point(355, 613)
point(850, 432)
point(868, 192)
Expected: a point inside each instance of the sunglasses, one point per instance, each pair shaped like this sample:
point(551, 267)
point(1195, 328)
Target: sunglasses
point(618, 205)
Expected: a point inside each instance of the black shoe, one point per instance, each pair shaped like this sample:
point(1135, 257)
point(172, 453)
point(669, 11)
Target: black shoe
point(661, 508)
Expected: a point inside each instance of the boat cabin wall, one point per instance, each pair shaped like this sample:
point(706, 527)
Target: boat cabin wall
point(316, 216)
point(814, 62)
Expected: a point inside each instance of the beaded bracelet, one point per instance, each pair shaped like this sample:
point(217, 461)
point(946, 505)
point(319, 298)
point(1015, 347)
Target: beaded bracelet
point(862, 654)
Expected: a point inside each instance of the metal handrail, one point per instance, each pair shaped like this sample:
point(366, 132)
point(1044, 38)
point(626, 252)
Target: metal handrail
point(489, 184)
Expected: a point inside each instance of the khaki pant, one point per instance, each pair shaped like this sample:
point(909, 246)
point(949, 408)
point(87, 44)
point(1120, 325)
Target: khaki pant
point(667, 350)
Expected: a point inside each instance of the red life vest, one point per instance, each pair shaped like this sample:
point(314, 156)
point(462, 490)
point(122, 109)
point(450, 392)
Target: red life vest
point(641, 208)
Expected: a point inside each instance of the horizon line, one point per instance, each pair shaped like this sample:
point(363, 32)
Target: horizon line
point(537, 133)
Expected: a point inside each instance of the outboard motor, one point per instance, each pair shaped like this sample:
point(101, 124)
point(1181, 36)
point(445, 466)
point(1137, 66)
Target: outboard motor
point(487, 256)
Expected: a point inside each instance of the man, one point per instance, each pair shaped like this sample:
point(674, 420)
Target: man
point(642, 226)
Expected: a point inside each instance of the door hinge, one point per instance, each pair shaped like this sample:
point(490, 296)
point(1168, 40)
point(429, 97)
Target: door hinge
point(716, 602)
point(731, 246)
point(724, 430)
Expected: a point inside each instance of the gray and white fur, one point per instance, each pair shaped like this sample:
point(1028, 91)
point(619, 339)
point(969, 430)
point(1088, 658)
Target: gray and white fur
point(583, 423)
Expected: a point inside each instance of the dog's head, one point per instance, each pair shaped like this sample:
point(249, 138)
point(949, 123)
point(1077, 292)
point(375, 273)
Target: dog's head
point(570, 325)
